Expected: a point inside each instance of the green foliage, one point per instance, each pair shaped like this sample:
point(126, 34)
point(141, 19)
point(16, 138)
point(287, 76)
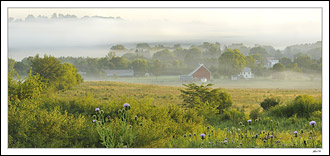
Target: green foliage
point(118, 47)
point(232, 114)
point(139, 66)
point(269, 102)
point(164, 55)
point(55, 74)
point(303, 106)
point(156, 68)
point(231, 62)
point(259, 50)
point(255, 113)
point(194, 95)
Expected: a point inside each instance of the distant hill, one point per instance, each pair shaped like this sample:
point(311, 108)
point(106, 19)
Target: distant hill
point(314, 50)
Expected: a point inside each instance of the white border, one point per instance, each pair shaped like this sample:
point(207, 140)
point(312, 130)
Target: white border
point(4, 96)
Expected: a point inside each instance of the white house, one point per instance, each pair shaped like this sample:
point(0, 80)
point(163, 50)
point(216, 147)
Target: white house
point(271, 62)
point(246, 73)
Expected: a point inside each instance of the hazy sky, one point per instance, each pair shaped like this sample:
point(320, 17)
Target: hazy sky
point(278, 27)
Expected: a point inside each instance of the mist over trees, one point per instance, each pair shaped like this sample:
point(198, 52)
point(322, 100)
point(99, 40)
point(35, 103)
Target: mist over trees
point(177, 60)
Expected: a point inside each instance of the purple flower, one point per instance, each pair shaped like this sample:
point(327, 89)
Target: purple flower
point(271, 136)
point(313, 123)
point(126, 105)
point(225, 141)
point(94, 121)
point(249, 121)
point(203, 136)
point(97, 109)
point(271, 120)
point(225, 138)
point(295, 132)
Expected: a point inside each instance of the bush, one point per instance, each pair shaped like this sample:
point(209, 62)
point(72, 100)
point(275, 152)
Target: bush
point(193, 93)
point(269, 102)
point(232, 114)
point(303, 106)
point(255, 113)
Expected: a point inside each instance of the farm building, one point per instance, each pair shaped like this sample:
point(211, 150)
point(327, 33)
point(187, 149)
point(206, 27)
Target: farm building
point(246, 73)
point(201, 73)
point(120, 73)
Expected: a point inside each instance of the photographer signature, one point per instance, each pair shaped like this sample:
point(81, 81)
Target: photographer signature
point(316, 151)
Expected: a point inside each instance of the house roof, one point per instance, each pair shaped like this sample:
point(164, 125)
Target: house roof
point(200, 65)
point(246, 70)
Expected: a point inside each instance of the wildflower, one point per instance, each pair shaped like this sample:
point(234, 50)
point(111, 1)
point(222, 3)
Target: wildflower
point(209, 135)
point(256, 120)
point(309, 138)
point(119, 111)
point(211, 131)
point(135, 117)
point(295, 133)
point(240, 144)
point(264, 141)
point(305, 142)
point(225, 141)
point(313, 123)
point(194, 134)
point(250, 127)
point(225, 138)
point(202, 143)
point(208, 127)
point(256, 135)
point(127, 106)
point(271, 121)
point(94, 121)
point(203, 136)
point(311, 133)
point(271, 136)
point(141, 124)
point(189, 135)
point(130, 126)
point(97, 109)
point(240, 123)
point(209, 143)
point(184, 135)
point(266, 137)
point(94, 117)
point(263, 131)
point(249, 121)
point(277, 123)
point(301, 131)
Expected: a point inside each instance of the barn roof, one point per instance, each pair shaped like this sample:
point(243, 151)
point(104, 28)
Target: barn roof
point(200, 65)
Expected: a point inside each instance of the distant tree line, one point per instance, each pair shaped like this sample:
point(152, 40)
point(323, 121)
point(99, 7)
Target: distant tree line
point(179, 61)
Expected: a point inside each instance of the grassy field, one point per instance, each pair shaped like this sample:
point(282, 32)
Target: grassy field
point(303, 83)
point(249, 98)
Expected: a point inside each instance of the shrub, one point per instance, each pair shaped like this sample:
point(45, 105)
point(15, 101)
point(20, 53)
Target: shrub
point(232, 114)
point(269, 102)
point(255, 113)
point(193, 93)
point(302, 105)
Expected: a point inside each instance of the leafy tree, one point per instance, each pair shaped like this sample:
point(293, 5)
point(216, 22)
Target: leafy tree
point(139, 66)
point(119, 63)
point(55, 74)
point(142, 46)
point(194, 95)
point(285, 61)
point(231, 62)
point(11, 64)
point(156, 68)
point(278, 69)
point(259, 50)
point(303, 61)
point(118, 47)
point(250, 61)
point(164, 55)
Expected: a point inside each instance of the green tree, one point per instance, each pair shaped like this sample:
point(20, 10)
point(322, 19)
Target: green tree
point(278, 69)
point(194, 95)
point(250, 61)
point(156, 68)
point(139, 66)
point(285, 61)
point(164, 55)
point(231, 62)
point(259, 50)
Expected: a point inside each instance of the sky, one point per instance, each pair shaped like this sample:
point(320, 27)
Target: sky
point(278, 27)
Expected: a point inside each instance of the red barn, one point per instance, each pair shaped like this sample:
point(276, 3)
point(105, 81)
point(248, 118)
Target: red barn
point(199, 73)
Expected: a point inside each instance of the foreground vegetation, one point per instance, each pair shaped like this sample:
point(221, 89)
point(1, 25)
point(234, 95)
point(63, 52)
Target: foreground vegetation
point(60, 110)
